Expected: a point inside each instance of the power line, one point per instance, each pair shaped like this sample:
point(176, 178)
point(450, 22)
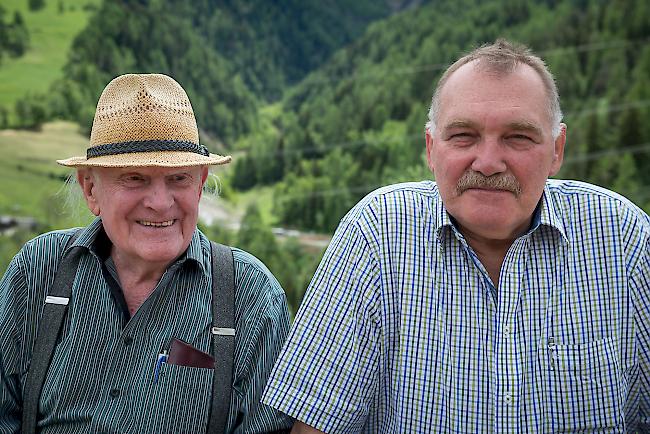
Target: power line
point(380, 71)
point(559, 51)
point(612, 108)
point(616, 152)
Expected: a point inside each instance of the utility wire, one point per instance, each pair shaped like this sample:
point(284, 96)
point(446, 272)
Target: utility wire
point(614, 152)
point(380, 71)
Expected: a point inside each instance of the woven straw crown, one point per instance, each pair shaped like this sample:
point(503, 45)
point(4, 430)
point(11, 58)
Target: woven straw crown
point(144, 120)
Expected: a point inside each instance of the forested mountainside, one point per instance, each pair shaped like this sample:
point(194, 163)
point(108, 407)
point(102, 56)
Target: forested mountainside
point(319, 102)
point(327, 101)
point(357, 122)
point(230, 55)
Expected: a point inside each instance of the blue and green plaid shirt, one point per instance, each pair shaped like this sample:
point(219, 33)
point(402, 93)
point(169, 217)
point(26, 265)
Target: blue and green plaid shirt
point(101, 378)
point(401, 330)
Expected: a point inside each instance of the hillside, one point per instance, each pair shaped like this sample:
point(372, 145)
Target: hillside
point(322, 104)
point(51, 31)
point(231, 56)
point(357, 122)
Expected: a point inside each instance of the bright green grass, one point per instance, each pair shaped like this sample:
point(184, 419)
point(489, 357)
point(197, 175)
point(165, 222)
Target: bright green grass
point(263, 197)
point(30, 177)
point(51, 34)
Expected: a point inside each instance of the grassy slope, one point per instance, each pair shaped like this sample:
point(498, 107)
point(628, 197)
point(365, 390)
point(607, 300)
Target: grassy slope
point(29, 175)
point(31, 178)
point(51, 34)
point(262, 197)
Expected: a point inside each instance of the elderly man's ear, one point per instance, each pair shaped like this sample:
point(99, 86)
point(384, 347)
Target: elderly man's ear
point(87, 181)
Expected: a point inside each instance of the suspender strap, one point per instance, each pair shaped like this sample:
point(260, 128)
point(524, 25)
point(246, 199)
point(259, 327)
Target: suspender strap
point(223, 332)
point(54, 311)
point(223, 335)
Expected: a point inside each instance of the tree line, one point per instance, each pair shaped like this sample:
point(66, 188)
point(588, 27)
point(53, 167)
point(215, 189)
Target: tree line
point(231, 56)
point(363, 112)
point(326, 130)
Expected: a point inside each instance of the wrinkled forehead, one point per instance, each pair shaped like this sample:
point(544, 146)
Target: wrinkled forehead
point(489, 90)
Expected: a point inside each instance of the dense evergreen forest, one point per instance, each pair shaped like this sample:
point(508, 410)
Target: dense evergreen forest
point(326, 102)
point(357, 122)
point(231, 56)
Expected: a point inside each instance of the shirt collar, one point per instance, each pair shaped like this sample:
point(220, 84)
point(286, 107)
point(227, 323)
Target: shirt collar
point(547, 213)
point(443, 221)
point(94, 238)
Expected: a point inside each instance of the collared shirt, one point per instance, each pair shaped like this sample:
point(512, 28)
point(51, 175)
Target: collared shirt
point(401, 330)
point(101, 378)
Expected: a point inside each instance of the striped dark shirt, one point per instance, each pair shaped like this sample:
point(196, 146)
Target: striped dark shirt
point(101, 378)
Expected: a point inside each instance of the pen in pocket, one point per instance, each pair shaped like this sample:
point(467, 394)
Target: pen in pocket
point(162, 358)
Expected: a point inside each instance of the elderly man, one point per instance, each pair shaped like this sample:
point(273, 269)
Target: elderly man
point(494, 300)
point(145, 345)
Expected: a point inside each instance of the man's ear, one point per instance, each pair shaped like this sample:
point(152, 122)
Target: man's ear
point(558, 151)
point(428, 137)
point(87, 181)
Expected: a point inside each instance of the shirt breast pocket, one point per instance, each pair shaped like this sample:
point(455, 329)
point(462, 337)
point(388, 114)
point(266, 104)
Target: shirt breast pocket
point(182, 396)
point(586, 387)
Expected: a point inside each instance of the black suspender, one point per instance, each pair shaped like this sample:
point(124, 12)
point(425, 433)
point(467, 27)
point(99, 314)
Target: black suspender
point(54, 310)
point(223, 332)
point(223, 335)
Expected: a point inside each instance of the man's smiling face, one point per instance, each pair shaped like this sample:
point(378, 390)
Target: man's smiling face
point(148, 213)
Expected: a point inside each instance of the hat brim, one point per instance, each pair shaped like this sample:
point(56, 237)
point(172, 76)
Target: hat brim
point(148, 159)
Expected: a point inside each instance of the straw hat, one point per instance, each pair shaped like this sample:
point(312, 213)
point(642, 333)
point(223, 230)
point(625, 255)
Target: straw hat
point(144, 120)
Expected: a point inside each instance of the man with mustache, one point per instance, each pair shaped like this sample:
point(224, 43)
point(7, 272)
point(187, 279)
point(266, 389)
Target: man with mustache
point(493, 300)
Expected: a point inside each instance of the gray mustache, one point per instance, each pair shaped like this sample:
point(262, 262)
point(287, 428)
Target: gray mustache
point(499, 181)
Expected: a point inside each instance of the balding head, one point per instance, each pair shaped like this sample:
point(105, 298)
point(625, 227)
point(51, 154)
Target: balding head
point(501, 58)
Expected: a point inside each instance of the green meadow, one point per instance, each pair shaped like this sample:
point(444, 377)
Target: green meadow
point(51, 31)
point(32, 182)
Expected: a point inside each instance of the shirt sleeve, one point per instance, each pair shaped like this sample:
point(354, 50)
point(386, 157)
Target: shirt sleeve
point(10, 388)
point(327, 373)
point(641, 287)
point(264, 325)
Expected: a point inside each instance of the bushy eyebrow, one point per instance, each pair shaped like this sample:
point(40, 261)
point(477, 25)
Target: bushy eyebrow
point(520, 125)
point(525, 126)
point(459, 123)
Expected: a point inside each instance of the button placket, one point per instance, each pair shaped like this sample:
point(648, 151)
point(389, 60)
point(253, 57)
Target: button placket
point(507, 373)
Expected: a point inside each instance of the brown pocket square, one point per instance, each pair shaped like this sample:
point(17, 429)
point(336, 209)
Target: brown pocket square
point(183, 354)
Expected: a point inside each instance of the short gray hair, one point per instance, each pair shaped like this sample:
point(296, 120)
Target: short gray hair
point(502, 57)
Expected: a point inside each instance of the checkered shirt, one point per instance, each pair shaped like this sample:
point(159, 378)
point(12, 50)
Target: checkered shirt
point(402, 331)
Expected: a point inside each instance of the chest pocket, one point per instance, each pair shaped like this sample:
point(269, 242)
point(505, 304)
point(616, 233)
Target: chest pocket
point(182, 399)
point(586, 387)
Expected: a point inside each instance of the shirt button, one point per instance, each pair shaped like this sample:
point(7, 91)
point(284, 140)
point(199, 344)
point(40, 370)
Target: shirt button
point(128, 340)
point(114, 393)
point(507, 330)
point(508, 399)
